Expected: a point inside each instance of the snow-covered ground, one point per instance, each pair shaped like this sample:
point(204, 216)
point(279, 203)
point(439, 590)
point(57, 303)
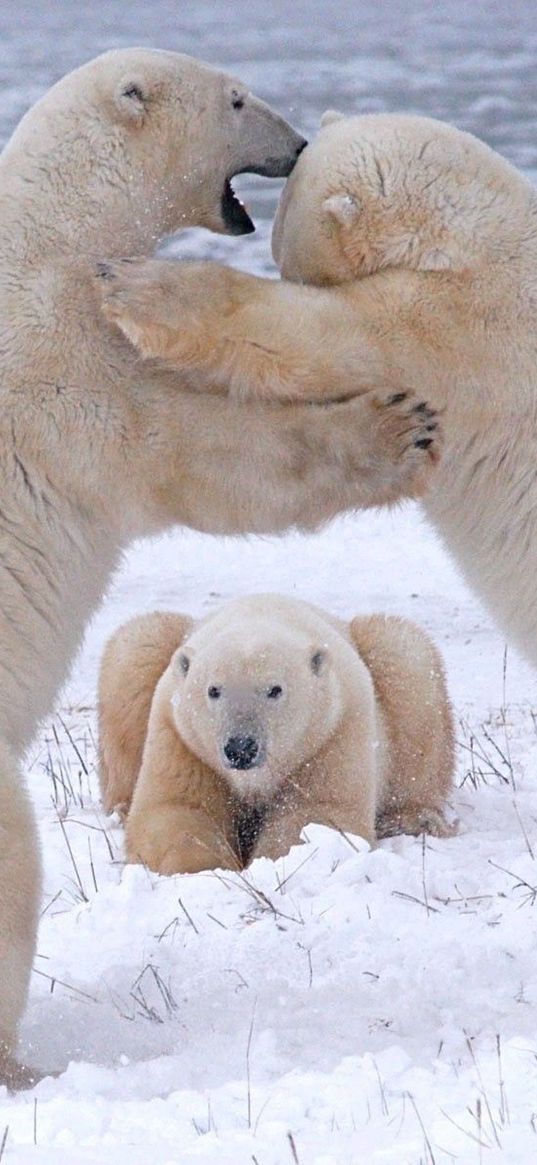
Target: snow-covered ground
point(333, 1008)
point(338, 1007)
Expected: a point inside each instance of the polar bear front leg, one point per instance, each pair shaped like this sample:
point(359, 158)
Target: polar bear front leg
point(340, 785)
point(181, 817)
point(415, 820)
point(20, 887)
point(252, 337)
point(281, 830)
point(262, 469)
point(336, 788)
point(174, 839)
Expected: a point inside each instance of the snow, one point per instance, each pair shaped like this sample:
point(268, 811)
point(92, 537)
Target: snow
point(339, 1006)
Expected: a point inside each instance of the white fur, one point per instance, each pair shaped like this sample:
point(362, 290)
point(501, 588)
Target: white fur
point(419, 244)
point(350, 724)
point(95, 450)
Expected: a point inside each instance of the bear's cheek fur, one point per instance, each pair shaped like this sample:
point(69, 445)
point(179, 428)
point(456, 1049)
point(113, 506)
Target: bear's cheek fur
point(196, 728)
point(308, 249)
point(301, 730)
point(292, 257)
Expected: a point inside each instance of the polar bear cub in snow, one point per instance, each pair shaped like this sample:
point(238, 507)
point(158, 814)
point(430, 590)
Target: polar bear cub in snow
point(421, 246)
point(220, 740)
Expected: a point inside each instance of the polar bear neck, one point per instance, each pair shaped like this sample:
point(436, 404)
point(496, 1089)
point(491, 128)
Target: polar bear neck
point(134, 222)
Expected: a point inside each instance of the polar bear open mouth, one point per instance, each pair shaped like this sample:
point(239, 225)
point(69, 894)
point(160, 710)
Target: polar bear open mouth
point(237, 221)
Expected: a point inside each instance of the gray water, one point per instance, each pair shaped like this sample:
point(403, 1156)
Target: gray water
point(472, 63)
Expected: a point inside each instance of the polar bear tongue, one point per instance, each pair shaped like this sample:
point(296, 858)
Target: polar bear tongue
point(236, 218)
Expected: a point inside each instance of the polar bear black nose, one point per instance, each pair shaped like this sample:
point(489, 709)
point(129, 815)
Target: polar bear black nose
point(241, 751)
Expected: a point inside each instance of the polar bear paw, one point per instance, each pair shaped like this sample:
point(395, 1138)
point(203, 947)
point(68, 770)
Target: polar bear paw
point(135, 297)
point(415, 821)
point(406, 434)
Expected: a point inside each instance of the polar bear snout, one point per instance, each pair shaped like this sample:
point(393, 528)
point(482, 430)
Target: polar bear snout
point(269, 145)
point(278, 166)
point(242, 752)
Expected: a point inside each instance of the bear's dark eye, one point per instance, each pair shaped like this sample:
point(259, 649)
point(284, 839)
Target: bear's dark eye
point(236, 100)
point(275, 692)
point(214, 692)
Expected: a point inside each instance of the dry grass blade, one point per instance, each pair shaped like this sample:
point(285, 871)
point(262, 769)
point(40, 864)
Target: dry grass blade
point(260, 899)
point(430, 1158)
point(523, 831)
point(138, 994)
point(483, 764)
point(283, 882)
point(411, 898)
point(520, 883)
point(248, 1047)
point(292, 1147)
point(79, 882)
point(68, 986)
point(74, 746)
point(188, 916)
point(503, 1107)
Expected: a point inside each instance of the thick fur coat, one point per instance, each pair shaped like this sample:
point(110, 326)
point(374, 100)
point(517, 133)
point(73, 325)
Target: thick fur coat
point(221, 740)
point(95, 448)
point(98, 447)
point(420, 246)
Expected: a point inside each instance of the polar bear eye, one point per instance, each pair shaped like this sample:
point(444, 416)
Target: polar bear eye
point(275, 692)
point(236, 100)
point(214, 692)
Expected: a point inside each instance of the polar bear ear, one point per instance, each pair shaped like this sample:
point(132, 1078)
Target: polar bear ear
point(131, 100)
point(330, 117)
point(318, 659)
point(181, 663)
point(343, 207)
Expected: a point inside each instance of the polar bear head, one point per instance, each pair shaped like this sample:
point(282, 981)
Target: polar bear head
point(256, 692)
point(386, 190)
point(146, 142)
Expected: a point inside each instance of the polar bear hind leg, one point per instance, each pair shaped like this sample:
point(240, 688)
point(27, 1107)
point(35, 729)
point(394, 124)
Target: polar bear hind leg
point(411, 691)
point(133, 662)
point(20, 886)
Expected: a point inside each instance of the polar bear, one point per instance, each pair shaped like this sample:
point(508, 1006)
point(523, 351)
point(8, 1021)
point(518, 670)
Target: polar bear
point(420, 244)
point(220, 740)
point(98, 447)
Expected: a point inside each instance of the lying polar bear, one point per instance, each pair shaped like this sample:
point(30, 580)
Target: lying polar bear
point(421, 244)
point(269, 715)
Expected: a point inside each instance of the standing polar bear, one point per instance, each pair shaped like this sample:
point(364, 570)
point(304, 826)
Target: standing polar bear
point(421, 246)
point(221, 740)
point(98, 447)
